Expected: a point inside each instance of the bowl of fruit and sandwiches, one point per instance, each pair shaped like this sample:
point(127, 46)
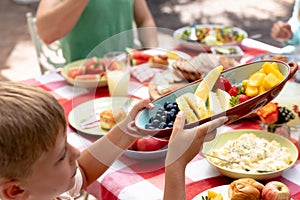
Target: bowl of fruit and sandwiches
point(234, 92)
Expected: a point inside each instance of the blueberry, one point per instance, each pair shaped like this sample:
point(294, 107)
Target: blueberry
point(158, 117)
point(170, 124)
point(156, 123)
point(169, 107)
point(162, 125)
point(166, 104)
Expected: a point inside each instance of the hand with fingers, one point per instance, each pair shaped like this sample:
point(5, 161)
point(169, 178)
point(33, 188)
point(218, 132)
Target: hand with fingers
point(123, 125)
point(184, 145)
point(281, 31)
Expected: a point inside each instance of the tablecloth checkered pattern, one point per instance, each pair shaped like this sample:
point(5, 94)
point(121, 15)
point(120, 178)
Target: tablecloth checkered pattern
point(130, 179)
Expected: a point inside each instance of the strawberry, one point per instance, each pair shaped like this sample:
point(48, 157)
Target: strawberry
point(234, 90)
point(223, 84)
point(240, 98)
point(243, 98)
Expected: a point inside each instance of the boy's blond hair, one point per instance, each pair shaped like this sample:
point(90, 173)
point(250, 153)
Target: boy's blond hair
point(30, 120)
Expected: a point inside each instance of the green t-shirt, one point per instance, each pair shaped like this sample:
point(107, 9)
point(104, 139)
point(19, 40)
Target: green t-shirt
point(95, 32)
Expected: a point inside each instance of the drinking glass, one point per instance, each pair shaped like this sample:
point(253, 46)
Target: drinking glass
point(118, 75)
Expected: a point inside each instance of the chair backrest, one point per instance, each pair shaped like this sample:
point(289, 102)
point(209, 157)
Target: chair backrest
point(49, 56)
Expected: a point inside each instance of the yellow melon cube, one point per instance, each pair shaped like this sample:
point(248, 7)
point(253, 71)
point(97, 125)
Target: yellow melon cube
point(251, 91)
point(256, 79)
point(270, 81)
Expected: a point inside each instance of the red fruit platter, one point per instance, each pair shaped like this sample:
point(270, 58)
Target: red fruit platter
point(235, 75)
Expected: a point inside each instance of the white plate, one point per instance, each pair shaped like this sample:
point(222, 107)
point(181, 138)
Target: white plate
point(223, 189)
point(146, 155)
point(92, 109)
point(200, 47)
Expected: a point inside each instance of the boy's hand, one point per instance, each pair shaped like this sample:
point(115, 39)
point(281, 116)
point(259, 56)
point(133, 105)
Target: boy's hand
point(145, 103)
point(184, 145)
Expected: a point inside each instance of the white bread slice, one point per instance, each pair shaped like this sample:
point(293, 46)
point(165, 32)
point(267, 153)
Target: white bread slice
point(196, 104)
point(208, 82)
point(190, 116)
point(214, 105)
point(224, 98)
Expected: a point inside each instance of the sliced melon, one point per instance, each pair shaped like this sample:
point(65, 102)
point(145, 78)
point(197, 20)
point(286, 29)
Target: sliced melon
point(208, 82)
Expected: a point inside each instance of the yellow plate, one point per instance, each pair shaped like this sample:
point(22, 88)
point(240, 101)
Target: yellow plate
point(91, 110)
point(221, 140)
point(81, 83)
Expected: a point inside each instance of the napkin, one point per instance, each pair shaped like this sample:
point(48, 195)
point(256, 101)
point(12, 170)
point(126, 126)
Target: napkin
point(144, 72)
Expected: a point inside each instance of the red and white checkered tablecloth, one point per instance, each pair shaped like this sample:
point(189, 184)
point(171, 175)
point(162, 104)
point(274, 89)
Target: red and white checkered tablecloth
point(130, 179)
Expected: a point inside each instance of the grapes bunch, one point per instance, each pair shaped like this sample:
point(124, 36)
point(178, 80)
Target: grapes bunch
point(164, 117)
point(284, 115)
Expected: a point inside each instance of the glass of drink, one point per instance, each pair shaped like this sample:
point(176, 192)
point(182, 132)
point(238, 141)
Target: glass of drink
point(118, 75)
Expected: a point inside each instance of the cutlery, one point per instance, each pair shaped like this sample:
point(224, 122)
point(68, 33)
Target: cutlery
point(193, 35)
point(235, 162)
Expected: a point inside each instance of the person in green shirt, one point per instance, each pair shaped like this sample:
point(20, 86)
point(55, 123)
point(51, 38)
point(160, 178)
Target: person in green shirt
point(82, 25)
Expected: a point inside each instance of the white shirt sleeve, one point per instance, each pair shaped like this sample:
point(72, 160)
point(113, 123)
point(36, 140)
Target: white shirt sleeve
point(75, 191)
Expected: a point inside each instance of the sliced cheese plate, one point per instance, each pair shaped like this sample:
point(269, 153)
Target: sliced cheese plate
point(235, 75)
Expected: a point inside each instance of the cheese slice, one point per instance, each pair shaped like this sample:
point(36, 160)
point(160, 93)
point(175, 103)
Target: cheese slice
point(196, 104)
point(190, 116)
point(224, 98)
point(214, 105)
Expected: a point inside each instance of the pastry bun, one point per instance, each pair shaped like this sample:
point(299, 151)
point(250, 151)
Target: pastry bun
point(245, 188)
point(159, 61)
point(107, 120)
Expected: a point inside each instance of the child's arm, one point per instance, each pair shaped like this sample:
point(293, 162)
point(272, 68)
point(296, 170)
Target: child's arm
point(183, 146)
point(97, 158)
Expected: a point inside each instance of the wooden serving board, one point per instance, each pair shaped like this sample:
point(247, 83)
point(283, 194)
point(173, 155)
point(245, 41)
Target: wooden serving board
point(154, 93)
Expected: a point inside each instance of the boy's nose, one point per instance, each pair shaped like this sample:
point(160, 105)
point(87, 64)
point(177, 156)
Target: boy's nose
point(74, 153)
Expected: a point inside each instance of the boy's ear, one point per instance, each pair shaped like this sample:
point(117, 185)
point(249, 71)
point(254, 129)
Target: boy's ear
point(11, 190)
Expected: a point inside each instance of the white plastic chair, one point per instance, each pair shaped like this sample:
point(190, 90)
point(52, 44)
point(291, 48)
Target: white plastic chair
point(49, 56)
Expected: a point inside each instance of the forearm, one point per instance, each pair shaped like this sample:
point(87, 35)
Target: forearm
point(97, 158)
point(174, 182)
point(145, 23)
point(57, 18)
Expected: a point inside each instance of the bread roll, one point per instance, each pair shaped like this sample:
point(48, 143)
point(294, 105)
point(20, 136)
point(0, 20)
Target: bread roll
point(245, 188)
point(107, 120)
point(159, 61)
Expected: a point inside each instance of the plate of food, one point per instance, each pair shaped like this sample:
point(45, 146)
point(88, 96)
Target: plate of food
point(220, 191)
point(210, 35)
point(206, 99)
point(280, 57)
point(251, 154)
point(96, 117)
point(88, 73)
point(156, 57)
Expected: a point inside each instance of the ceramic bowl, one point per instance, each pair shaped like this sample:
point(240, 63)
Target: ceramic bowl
point(235, 76)
point(178, 34)
point(221, 140)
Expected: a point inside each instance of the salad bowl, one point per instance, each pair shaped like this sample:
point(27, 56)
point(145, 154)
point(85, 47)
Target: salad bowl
point(235, 75)
point(210, 35)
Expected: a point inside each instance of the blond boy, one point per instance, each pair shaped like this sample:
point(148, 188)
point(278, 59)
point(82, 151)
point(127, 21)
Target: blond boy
point(36, 161)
